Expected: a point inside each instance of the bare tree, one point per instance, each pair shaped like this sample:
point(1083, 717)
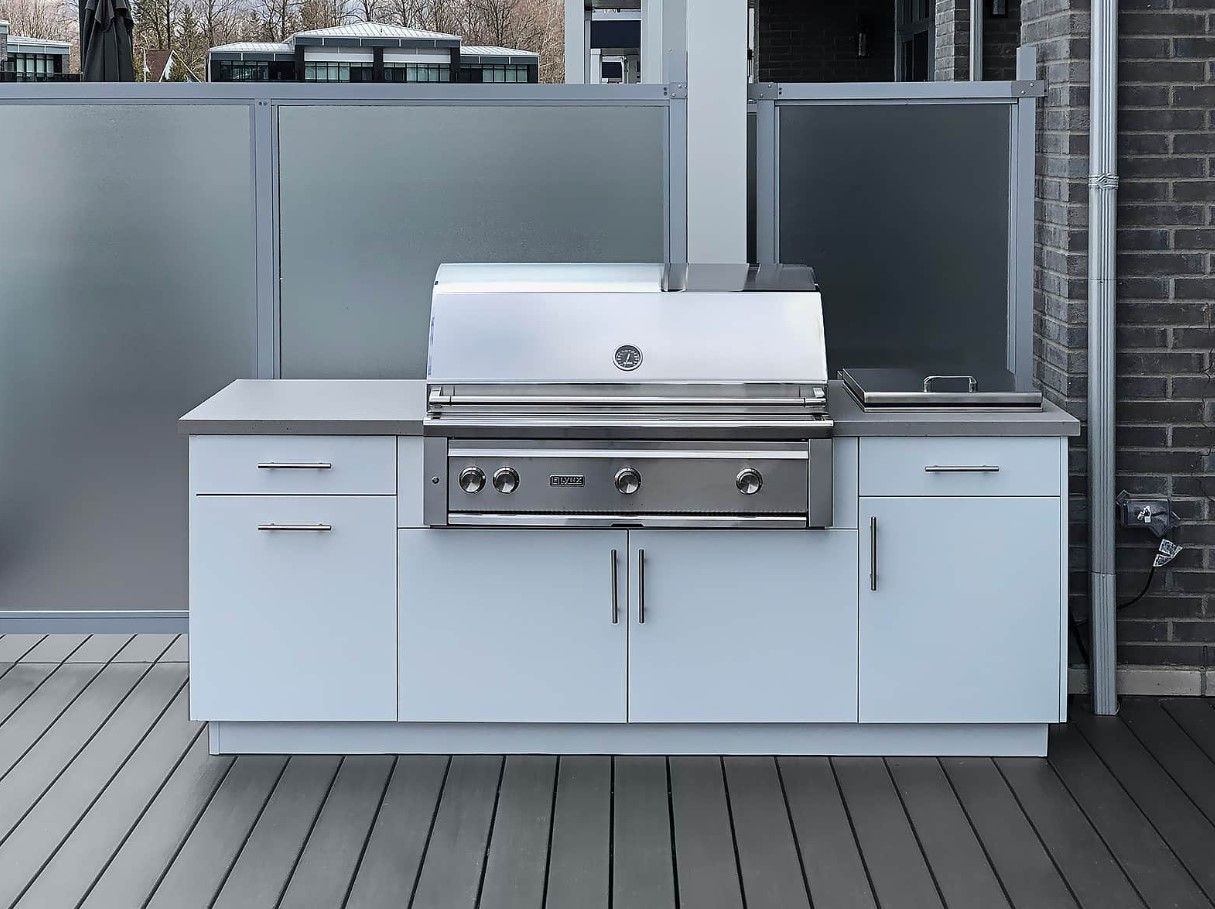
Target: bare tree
point(49, 19)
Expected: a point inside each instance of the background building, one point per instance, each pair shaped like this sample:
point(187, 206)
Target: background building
point(370, 52)
point(32, 59)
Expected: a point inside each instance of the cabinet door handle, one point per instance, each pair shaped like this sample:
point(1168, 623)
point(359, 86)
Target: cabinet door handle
point(640, 586)
point(873, 553)
point(313, 527)
point(962, 468)
point(615, 592)
point(295, 465)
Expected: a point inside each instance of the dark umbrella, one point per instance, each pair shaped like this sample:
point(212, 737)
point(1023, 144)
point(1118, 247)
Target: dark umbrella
point(105, 42)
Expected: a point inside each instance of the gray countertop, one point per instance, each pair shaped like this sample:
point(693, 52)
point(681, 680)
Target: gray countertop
point(396, 407)
point(386, 407)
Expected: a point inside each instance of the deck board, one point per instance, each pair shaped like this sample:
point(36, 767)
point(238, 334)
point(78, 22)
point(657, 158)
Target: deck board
point(1174, 815)
point(579, 872)
point(108, 798)
point(85, 851)
point(963, 871)
point(199, 869)
point(768, 858)
point(1147, 860)
point(392, 859)
point(455, 856)
point(37, 766)
point(1025, 868)
point(1095, 877)
point(39, 833)
point(705, 858)
point(262, 870)
point(643, 868)
point(835, 869)
point(518, 847)
point(900, 874)
point(140, 858)
point(327, 865)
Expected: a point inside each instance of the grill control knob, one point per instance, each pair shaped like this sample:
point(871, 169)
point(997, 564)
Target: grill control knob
point(748, 481)
point(472, 479)
point(506, 480)
point(628, 480)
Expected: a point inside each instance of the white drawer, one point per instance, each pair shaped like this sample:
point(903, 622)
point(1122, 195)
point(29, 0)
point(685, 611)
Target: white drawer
point(957, 466)
point(293, 608)
point(293, 465)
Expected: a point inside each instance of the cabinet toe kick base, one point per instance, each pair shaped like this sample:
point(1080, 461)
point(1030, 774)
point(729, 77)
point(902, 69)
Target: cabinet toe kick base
point(951, 740)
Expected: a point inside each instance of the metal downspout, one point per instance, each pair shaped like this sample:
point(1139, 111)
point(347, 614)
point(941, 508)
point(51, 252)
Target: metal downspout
point(1102, 211)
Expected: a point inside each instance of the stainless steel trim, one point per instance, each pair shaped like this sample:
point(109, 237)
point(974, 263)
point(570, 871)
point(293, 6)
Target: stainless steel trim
point(568, 426)
point(319, 528)
point(873, 553)
point(439, 398)
point(300, 465)
point(615, 592)
point(971, 382)
point(821, 505)
point(434, 483)
point(962, 468)
point(539, 451)
point(640, 586)
point(691, 521)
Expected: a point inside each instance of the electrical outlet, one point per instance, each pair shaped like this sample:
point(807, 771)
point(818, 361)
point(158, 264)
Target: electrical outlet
point(1154, 513)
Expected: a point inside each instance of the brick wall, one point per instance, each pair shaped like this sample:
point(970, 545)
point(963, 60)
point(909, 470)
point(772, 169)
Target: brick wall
point(1166, 290)
point(816, 41)
point(1001, 37)
point(951, 52)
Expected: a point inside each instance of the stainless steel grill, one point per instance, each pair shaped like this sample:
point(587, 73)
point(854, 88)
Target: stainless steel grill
point(627, 396)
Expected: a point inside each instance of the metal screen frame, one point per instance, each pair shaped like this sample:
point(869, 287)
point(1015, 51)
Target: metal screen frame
point(264, 101)
point(1020, 97)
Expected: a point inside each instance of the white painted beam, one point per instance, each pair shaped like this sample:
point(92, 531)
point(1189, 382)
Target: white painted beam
point(577, 38)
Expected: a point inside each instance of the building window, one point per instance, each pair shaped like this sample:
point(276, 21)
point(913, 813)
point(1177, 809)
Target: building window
point(417, 72)
point(243, 71)
point(497, 72)
point(914, 28)
point(35, 67)
point(326, 71)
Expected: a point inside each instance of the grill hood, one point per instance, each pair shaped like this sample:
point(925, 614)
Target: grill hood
point(626, 324)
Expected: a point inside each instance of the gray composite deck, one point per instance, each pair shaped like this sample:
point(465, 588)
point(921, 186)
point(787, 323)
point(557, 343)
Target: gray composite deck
point(108, 798)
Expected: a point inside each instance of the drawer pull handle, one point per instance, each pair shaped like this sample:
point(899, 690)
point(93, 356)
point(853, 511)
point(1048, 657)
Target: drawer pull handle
point(873, 553)
point(317, 528)
point(296, 465)
point(615, 594)
point(962, 468)
point(972, 384)
point(641, 586)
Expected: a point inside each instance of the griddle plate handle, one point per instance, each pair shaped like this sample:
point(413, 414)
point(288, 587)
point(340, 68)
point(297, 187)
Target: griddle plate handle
point(972, 384)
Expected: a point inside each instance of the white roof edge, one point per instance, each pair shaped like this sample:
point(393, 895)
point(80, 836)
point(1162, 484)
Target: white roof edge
point(41, 42)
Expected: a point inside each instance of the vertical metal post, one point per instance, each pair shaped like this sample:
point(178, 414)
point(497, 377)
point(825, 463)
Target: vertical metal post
point(1102, 209)
point(265, 241)
point(765, 172)
point(576, 29)
point(1021, 227)
point(717, 130)
point(976, 40)
point(675, 75)
point(651, 40)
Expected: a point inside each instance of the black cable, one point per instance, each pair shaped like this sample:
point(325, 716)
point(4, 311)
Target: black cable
point(1139, 596)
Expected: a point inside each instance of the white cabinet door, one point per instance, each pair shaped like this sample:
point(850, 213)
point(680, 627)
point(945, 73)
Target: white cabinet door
point(742, 626)
point(293, 624)
point(512, 625)
point(960, 613)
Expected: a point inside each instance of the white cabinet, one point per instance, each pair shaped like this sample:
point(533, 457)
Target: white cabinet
point(960, 609)
point(743, 626)
point(525, 626)
point(293, 607)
